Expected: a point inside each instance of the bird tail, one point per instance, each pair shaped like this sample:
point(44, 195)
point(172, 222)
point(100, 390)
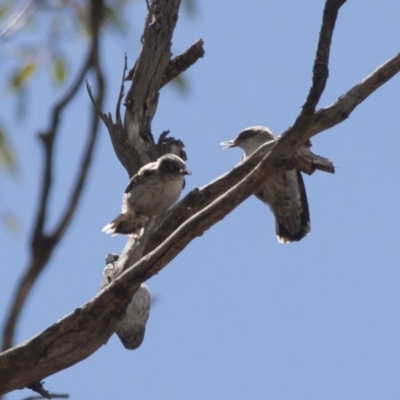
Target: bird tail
point(285, 231)
point(283, 235)
point(125, 225)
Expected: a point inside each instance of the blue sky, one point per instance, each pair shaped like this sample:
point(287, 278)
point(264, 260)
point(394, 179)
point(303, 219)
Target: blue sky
point(238, 316)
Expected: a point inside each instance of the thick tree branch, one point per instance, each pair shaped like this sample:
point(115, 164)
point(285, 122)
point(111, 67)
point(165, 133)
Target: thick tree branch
point(142, 97)
point(324, 119)
point(80, 333)
point(133, 141)
point(198, 199)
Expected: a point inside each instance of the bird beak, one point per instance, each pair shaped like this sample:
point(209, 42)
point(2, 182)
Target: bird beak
point(185, 172)
point(228, 144)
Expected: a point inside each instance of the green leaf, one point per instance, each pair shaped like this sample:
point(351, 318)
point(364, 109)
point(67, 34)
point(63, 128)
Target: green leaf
point(11, 222)
point(5, 9)
point(190, 7)
point(59, 70)
point(23, 74)
point(7, 159)
point(114, 17)
point(181, 84)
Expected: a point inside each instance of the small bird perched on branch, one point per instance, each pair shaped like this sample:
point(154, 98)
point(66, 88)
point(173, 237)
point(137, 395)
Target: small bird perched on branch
point(284, 192)
point(132, 327)
point(154, 189)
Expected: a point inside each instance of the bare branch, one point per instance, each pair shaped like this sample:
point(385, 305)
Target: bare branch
point(142, 97)
point(80, 179)
point(326, 118)
point(170, 145)
point(336, 113)
point(197, 200)
point(121, 91)
point(321, 62)
point(180, 63)
point(38, 388)
point(133, 143)
point(82, 332)
point(48, 138)
point(107, 119)
point(293, 137)
point(105, 312)
point(52, 396)
point(42, 243)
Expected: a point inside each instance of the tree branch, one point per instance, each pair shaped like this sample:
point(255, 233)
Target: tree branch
point(178, 64)
point(181, 63)
point(142, 97)
point(38, 388)
point(42, 243)
point(80, 179)
point(82, 332)
point(321, 62)
point(133, 143)
point(326, 118)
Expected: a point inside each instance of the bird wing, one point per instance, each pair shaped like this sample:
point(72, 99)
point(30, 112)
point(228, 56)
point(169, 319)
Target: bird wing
point(285, 193)
point(293, 223)
point(143, 173)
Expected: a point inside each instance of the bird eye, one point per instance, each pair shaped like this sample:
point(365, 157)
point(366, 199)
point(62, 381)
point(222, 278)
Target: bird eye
point(246, 135)
point(171, 167)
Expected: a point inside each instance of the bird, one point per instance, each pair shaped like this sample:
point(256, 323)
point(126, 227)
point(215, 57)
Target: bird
point(284, 192)
point(150, 192)
point(132, 327)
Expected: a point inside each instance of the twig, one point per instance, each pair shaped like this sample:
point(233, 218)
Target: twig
point(83, 170)
point(121, 91)
point(52, 396)
point(320, 68)
point(107, 119)
point(38, 388)
point(321, 62)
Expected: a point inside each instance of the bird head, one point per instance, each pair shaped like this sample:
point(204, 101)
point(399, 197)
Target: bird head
point(173, 165)
point(250, 139)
